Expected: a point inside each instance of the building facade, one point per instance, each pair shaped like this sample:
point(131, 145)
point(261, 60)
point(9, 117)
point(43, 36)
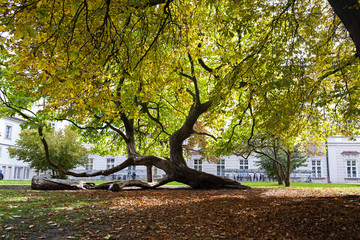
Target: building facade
point(96, 163)
point(11, 168)
point(340, 163)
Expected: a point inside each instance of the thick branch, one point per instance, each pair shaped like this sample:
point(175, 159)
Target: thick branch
point(206, 134)
point(194, 80)
point(349, 13)
point(155, 119)
point(179, 136)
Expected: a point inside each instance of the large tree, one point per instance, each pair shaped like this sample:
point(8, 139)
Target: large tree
point(140, 74)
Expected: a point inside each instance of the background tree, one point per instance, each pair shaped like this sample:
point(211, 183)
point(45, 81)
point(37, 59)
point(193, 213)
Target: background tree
point(64, 146)
point(279, 161)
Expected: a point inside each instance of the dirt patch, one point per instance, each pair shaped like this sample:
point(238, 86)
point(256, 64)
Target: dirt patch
point(14, 187)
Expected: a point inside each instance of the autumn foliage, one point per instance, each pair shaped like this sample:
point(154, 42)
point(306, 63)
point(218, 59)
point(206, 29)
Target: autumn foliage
point(136, 76)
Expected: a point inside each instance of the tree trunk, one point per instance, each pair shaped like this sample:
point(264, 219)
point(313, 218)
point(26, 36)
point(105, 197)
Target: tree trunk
point(119, 185)
point(149, 174)
point(46, 183)
point(349, 13)
point(288, 163)
point(201, 180)
point(178, 169)
point(278, 174)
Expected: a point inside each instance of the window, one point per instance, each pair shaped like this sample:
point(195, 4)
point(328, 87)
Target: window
point(17, 173)
point(8, 131)
point(351, 168)
point(9, 171)
point(316, 168)
point(4, 171)
point(90, 165)
point(244, 164)
point(198, 164)
point(52, 124)
point(26, 173)
point(131, 170)
point(110, 163)
point(220, 167)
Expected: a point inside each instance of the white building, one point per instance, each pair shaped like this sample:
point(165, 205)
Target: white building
point(96, 163)
point(340, 163)
point(344, 160)
point(10, 167)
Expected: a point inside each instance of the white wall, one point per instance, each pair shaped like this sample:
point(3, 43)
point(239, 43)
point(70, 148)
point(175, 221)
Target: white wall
point(340, 150)
point(11, 167)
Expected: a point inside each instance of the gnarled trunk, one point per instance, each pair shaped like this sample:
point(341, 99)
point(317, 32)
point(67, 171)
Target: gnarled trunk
point(175, 167)
point(46, 183)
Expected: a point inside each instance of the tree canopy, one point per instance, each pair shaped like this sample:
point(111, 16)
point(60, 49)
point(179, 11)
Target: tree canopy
point(140, 74)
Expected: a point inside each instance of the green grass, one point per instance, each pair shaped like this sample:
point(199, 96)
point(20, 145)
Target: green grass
point(175, 184)
point(292, 185)
point(299, 184)
point(15, 182)
point(251, 184)
point(41, 210)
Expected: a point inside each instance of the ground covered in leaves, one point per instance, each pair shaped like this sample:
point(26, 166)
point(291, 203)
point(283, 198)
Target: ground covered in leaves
point(181, 214)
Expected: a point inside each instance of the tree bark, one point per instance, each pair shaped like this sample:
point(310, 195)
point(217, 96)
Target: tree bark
point(349, 13)
point(46, 183)
point(119, 185)
point(149, 174)
point(278, 174)
point(288, 164)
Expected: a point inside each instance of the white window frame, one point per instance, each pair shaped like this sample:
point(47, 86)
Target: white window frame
point(316, 168)
point(90, 164)
point(198, 164)
point(17, 173)
point(8, 131)
point(110, 163)
point(3, 168)
point(351, 168)
point(243, 164)
point(220, 167)
point(26, 173)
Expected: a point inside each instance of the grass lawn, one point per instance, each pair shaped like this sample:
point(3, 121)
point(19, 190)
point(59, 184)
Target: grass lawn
point(15, 182)
point(251, 184)
point(299, 184)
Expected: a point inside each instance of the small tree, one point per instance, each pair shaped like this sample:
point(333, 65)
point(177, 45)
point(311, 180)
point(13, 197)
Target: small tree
point(64, 150)
point(280, 161)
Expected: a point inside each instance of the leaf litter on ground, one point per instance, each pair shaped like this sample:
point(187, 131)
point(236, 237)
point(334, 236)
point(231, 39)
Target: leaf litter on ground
point(301, 213)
